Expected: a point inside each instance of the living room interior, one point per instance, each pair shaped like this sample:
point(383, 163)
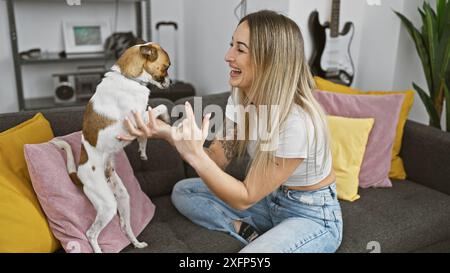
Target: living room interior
point(46, 71)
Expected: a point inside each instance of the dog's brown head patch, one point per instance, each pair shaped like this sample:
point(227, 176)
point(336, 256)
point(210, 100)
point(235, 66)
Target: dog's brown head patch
point(149, 57)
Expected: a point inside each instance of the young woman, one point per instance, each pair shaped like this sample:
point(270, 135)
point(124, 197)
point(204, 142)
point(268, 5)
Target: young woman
point(287, 201)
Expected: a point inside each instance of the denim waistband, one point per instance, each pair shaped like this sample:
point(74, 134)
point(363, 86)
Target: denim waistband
point(328, 188)
point(321, 196)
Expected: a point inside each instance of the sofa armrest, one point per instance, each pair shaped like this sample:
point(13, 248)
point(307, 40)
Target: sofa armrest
point(426, 156)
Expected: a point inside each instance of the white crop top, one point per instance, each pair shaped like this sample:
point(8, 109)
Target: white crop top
point(295, 140)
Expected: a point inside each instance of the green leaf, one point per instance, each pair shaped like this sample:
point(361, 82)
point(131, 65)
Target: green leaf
point(420, 47)
point(440, 6)
point(443, 61)
point(425, 31)
point(431, 38)
point(444, 53)
point(421, 13)
point(443, 13)
point(427, 5)
point(429, 105)
point(447, 106)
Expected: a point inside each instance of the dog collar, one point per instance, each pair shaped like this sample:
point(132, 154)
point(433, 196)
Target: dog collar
point(141, 82)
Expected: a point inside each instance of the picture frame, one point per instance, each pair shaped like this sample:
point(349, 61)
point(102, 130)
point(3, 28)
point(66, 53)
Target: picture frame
point(85, 36)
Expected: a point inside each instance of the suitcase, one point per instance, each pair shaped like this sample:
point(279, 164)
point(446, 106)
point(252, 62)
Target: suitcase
point(177, 89)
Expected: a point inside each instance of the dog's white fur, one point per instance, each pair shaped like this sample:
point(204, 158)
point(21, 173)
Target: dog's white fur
point(115, 98)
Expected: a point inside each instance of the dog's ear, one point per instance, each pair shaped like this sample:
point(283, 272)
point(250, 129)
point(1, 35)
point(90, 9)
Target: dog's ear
point(150, 52)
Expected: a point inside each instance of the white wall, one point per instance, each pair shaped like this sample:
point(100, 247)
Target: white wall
point(281, 6)
point(210, 25)
point(173, 42)
point(351, 11)
point(378, 46)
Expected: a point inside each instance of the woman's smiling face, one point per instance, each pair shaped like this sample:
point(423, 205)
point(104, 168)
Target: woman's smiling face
point(238, 58)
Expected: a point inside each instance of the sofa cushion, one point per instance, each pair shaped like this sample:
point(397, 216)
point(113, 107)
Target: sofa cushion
point(69, 211)
point(172, 232)
point(347, 159)
point(216, 98)
point(397, 170)
point(385, 109)
point(23, 225)
point(440, 247)
point(403, 218)
point(161, 171)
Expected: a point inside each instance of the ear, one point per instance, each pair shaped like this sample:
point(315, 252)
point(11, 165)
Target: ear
point(150, 52)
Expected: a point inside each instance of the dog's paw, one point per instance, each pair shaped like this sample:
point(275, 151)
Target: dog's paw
point(140, 244)
point(144, 157)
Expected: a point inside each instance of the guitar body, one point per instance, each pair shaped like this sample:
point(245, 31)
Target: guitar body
point(331, 55)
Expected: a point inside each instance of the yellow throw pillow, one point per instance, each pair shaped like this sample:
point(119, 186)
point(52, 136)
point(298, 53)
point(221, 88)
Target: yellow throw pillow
point(23, 225)
point(323, 84)
point(397, 170)
point(349, 138)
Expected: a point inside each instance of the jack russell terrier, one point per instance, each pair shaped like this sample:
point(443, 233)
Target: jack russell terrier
point(120, 92)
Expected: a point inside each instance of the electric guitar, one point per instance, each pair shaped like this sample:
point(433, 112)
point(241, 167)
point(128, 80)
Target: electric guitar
point(331, 55)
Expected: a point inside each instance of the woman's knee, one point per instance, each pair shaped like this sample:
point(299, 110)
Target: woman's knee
point(183, 190)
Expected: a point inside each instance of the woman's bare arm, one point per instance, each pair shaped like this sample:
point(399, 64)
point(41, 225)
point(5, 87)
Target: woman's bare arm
point(244, 194)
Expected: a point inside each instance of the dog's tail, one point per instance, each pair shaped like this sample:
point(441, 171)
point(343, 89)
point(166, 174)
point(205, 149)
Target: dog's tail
point(71, 168)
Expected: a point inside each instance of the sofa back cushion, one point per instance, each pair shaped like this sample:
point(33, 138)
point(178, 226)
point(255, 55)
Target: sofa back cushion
point(426, 153)
point(63, 120)
point(23, 225)
point(385, 110)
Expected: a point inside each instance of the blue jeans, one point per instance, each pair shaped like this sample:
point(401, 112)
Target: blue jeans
point(289, 220)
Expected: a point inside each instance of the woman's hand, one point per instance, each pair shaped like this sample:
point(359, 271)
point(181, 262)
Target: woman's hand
point(155, 128)
point(188, 138)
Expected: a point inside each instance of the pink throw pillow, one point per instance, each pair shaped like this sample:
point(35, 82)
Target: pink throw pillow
point(385, 110)
point(67, 208)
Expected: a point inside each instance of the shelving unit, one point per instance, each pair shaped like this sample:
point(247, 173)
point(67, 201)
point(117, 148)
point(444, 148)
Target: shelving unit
point(53, 57)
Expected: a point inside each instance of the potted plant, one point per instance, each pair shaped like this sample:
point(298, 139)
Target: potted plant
point(432, 43)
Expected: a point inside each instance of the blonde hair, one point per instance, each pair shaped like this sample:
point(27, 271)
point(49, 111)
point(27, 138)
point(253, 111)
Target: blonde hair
point(281, 77)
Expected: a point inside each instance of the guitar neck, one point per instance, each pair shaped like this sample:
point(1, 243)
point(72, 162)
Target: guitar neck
point(334, 26)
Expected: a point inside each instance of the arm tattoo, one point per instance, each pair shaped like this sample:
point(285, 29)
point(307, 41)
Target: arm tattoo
point(228, 148)
point(228, 145)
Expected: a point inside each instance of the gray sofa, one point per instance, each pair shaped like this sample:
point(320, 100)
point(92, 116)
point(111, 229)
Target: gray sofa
point(413, 216)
